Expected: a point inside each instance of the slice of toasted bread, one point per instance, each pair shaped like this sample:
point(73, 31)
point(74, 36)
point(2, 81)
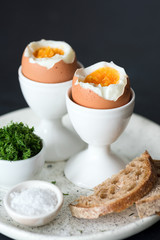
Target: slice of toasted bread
point(150, 204)
point(118, 192)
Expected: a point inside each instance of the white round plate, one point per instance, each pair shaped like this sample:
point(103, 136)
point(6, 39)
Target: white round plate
point(140, 135)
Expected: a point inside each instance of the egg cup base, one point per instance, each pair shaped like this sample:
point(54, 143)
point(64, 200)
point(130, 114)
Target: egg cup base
point(87, 171)
point(61, 143)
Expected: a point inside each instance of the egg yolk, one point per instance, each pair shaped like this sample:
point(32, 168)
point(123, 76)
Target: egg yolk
point(103, 76)
point(47, 52)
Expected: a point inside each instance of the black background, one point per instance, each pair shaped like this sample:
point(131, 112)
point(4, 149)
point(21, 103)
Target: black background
point(123, 31)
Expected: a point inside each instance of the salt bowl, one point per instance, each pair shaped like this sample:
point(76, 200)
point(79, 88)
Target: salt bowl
point(48, 200)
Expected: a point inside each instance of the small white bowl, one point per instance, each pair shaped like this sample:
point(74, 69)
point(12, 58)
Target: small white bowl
point(14, 172)
point(39, 220)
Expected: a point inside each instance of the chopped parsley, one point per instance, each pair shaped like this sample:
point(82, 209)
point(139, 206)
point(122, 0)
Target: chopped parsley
point(131, 214)
point(18, 142)
point(53, 182)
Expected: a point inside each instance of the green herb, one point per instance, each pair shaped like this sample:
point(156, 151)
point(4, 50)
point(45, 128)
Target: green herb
point(65, 194)
point(53, 182)
point(81, 231)
point(131, 214)
point(18, 142)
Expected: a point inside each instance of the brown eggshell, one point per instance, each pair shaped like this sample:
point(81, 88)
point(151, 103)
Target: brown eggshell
point(88, 98)
point(60, 72)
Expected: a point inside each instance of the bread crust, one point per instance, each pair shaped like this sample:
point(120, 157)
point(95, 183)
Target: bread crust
point(150, 203)
point(117, 193)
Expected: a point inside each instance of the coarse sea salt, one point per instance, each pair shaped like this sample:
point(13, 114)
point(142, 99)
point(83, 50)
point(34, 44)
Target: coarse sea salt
point(33, 201)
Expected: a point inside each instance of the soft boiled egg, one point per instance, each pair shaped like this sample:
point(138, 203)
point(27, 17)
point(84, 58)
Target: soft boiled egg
point(49, 61)
point(101, 86)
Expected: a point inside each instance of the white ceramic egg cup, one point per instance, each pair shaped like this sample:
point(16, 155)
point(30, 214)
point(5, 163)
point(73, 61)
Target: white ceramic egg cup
point(99, 128)
point(47, 100)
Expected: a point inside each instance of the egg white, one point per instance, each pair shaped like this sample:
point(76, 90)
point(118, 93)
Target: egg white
point(68, 56)
point(111, 92)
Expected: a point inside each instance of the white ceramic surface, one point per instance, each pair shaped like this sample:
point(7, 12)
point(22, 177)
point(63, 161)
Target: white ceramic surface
point(14, 172)
point(48, 102)
point(99, 128)
point(33, 220)
point(139, 135)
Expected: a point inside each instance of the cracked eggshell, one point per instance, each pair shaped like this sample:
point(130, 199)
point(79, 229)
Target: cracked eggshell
point(61, 71)
point(86, 97)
